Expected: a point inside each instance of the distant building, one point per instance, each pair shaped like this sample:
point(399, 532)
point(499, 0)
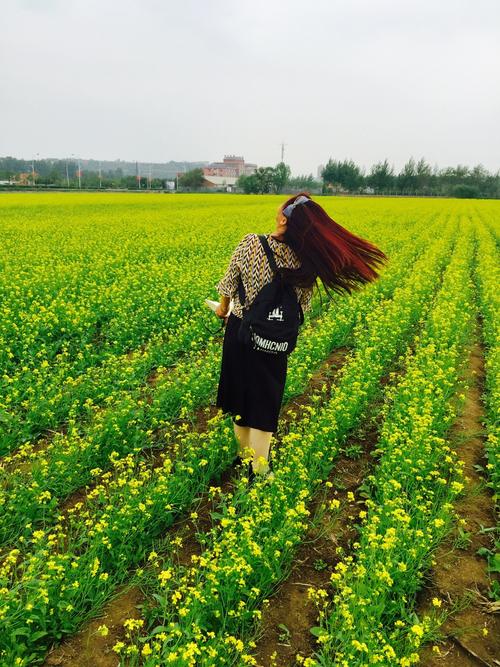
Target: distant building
point(250, 168)
point(232, 166)
point(24, 178)
point(227, 183)
point(320, 169)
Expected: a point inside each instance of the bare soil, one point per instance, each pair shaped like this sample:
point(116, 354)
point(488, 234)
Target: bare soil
point(460, 573)
point(314, 563)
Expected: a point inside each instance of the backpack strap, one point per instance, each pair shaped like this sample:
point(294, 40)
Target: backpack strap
point(241, 292)
point(269, 252)
point(272, 263)
point(274, 267)
point(301, 313)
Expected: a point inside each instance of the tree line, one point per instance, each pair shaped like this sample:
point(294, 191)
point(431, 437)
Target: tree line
point(415, 178)
point(64, 173)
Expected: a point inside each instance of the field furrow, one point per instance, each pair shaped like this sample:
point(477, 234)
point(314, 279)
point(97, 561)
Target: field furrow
point(409, 507)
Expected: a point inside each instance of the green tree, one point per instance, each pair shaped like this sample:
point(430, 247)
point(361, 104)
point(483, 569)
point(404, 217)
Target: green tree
point(264, 177)
point(424, 175)
point(303, 182)
point(464, 191)
point(130, 182)
point(344, 175)
point(281, 176)
point(192, 179)
point(249, 184)
point(407, 177)
point(381, 177)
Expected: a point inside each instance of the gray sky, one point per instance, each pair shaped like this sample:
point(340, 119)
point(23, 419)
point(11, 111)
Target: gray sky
point(155, 80)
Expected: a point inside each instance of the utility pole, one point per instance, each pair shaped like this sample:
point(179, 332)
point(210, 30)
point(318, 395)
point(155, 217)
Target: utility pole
point(283, 151)
point(100, 180)
point(177, 176)
point(67, 173)
point(150, 175)
point(33, 170)
point(137, 176)
point(79, 175)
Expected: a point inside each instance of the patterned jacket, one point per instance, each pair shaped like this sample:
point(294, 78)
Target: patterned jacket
point(250, 261)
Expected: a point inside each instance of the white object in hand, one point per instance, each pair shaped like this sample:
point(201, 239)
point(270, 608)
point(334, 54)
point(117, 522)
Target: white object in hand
point(213, 305)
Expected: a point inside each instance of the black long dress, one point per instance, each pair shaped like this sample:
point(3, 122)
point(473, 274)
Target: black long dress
point(251, 383)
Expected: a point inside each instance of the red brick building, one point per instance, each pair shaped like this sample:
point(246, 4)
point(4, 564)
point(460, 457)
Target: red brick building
point(232, 167)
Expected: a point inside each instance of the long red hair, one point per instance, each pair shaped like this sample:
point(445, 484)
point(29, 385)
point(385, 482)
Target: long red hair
point(340, 259)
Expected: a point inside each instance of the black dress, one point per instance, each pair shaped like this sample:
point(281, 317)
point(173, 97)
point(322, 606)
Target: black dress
point(251, 383)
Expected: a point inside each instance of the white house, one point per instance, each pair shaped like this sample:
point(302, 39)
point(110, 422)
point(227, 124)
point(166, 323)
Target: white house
point(220, 182)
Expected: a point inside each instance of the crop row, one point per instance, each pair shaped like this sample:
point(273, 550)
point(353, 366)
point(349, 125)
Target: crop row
point(488, 279)
point(370, 618)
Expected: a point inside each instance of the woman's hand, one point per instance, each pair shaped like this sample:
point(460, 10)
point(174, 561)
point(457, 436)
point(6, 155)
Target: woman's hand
point(223, 308)
point(221, 311)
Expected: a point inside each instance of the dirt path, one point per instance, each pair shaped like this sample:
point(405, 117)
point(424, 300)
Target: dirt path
point(460, 573)
point(287, 620)
point(87, 648)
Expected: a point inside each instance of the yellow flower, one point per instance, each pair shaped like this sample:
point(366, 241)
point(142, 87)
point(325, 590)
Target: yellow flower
point(94, 566)
point(309, 662)
point(164, 576)
point(418, 630)
point(118, 647)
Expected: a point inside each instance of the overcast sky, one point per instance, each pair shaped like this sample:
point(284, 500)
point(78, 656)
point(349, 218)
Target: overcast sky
point(157, 80)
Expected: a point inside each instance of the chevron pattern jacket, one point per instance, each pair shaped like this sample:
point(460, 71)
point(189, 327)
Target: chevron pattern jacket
point(249, 260)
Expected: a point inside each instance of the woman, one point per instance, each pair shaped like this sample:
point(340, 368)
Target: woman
point(307, 245)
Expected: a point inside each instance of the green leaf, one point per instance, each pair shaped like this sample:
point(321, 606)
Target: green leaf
point(158, 629)
point(483, 551)
point(494, 564)
point(316, 631)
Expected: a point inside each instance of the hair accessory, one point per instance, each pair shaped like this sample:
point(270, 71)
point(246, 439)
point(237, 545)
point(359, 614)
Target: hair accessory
point(300, 200)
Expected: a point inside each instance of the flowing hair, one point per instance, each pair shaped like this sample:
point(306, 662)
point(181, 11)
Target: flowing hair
point(341, 260)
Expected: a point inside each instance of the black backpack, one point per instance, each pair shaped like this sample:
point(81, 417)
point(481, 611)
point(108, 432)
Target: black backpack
point(271, 323)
